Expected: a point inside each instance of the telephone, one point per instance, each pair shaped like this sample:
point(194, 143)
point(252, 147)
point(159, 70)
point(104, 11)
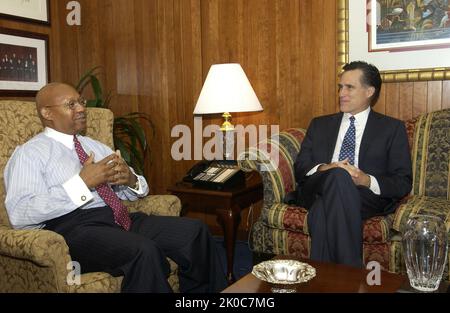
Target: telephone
point(215, 174)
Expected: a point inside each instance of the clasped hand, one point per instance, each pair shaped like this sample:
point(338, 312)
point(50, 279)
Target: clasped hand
point(359, 177)
point(112, 170)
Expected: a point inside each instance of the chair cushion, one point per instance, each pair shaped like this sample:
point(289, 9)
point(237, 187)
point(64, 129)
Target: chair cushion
point(295, 218)
point(377, 229)
point(422, 205)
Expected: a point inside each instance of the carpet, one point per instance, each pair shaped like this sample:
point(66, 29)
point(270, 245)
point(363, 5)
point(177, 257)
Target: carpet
point(243, 262)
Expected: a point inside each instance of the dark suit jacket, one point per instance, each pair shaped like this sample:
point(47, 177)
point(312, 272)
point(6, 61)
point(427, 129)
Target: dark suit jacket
point(384, 151)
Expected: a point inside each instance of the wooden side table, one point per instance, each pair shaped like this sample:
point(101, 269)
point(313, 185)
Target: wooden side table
point(227, 204)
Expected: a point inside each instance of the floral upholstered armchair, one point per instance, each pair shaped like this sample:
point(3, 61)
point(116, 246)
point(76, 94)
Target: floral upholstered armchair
point(39, 260)
point(283, 229)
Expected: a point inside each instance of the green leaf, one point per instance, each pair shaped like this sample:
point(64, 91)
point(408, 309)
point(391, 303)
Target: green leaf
point(91, 103)
point(107, 100)
point(139, 161)
point(85, 79)
point(119, 144)
point(143, 117)
point(138, 134)
point(128, 129)
point(139, 131)
point(97, 89)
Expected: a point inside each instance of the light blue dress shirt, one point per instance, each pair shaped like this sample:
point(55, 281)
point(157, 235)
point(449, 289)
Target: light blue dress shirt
point(42, 179)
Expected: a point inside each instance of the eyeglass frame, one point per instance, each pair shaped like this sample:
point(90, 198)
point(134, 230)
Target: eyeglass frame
point(71, 104)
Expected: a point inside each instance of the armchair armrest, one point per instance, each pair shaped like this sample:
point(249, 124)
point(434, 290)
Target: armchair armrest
point(41, 255)
point(256, 159)
point(167, 205)
point(273, 158)
point(43, 247)
point(420, 205)
point(285, 216)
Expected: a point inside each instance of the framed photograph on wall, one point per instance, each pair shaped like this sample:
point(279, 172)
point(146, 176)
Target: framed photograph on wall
point(35, 11)
point(407, 40)
point(24, 62)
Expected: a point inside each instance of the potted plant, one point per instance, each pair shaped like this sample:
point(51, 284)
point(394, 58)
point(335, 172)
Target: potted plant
point(128, 130)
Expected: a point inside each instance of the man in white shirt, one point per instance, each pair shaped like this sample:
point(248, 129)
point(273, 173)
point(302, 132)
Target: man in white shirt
point(71, 184)
point(352, 165)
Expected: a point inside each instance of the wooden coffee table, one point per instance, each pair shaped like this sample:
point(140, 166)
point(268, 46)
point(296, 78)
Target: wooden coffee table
point(329, 278)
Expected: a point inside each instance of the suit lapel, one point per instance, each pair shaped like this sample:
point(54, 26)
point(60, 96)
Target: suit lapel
point(333, 133)
point(368, 135)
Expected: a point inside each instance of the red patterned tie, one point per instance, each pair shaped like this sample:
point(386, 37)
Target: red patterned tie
point(106, 193)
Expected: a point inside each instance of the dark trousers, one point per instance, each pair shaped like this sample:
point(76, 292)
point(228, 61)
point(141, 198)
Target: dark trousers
point(99, 244)
point(337, 208)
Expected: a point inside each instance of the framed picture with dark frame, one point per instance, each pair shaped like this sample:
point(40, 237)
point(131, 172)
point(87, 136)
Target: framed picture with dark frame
point(24, 62)
point(31, 11)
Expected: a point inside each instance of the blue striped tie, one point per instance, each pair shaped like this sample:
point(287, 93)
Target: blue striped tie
point(348, 145)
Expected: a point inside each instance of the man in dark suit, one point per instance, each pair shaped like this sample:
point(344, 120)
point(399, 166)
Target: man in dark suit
point(352, 165)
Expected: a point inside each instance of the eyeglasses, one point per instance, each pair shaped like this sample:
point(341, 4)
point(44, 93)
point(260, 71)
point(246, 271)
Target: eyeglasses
point(71, 104)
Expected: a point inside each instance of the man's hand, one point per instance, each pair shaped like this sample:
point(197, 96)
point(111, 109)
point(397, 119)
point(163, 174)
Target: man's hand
point(123, 175)
point(359, 177)
point(112, 169)
point(94, 174)
point(326, 167)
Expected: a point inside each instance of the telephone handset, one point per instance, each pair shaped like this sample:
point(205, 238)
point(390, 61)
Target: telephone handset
point(215, 174)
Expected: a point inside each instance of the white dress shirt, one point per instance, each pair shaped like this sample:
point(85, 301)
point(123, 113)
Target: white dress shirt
point(42, 179)
point(360, 125)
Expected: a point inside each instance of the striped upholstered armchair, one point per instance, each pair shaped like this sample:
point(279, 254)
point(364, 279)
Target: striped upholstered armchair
point(37, 260)
point(283, 229)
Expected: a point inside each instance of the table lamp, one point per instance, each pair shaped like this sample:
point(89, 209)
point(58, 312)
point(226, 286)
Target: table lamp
point(227, 89)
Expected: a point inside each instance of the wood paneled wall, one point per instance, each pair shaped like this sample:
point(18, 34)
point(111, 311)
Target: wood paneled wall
point(157, 53)
point(407, 100)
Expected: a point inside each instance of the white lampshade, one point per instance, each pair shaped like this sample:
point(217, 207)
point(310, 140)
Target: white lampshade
point(227, 89)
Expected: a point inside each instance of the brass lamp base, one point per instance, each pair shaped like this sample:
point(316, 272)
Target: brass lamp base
point(226, 126)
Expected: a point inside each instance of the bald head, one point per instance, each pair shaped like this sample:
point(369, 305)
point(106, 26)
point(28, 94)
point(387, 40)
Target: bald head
point(51, 105)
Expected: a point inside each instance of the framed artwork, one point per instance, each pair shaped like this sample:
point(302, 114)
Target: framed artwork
point(408, 40)
point(35, 11)
point(24, 62)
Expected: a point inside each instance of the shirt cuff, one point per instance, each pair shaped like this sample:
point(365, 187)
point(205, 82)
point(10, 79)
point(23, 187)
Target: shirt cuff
point(139, 190)
point(77, 190)
point(374, 186)
point(314, 169)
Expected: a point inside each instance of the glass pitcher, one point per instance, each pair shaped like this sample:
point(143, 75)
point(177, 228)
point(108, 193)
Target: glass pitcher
point(425, 250)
